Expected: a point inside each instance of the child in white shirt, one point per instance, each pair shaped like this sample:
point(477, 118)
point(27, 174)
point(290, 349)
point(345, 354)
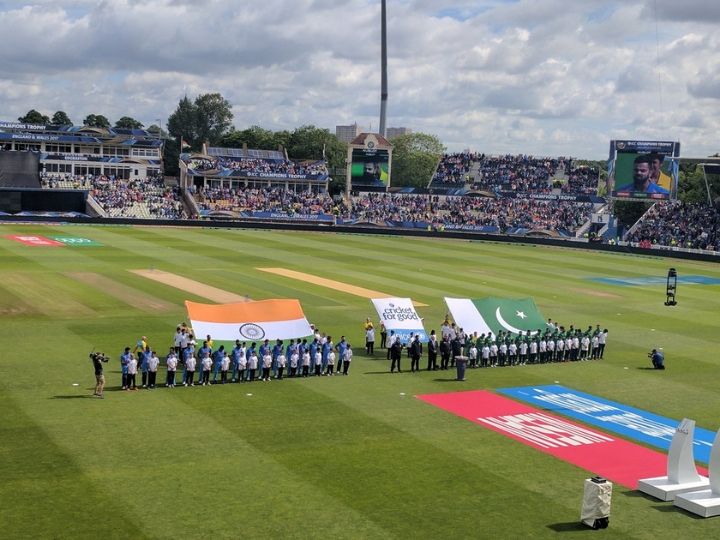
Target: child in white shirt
point(330, 363)
point(171, 362)
point(252, 365)
point(281, 363)
point(318, 362)
point(224, 366)
point(132, 371)
point(267, 364)
point(294, 358)
point(153, 364)
point(190, 363)
point(305, 363)
point(347, 358)
point(207, 364)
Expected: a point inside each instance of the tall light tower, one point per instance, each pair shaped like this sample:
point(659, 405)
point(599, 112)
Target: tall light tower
point(383, 69)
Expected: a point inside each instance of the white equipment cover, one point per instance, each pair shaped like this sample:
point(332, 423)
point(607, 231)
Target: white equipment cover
point(597, 499)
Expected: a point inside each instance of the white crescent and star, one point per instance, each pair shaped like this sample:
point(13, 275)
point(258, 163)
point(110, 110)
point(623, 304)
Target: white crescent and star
point(507, 326)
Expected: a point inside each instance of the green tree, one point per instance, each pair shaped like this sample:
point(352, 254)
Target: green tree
point(628, 212)
point(96, 121)
point(127, 122)
point(310, 142)
point(255, 137)
point(213, 117)
point(157, 131)
point(415, 156)
point(171, 156)
point(34, 117)
point(691, 184)
point(182, 124)
point(60, 118)
point(208, 118)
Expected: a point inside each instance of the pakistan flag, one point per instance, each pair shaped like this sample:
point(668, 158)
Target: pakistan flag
point(492, 314)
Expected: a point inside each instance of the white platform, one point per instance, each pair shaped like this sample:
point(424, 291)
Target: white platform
point(704, 503)
point(682, 475)
point(663, 488)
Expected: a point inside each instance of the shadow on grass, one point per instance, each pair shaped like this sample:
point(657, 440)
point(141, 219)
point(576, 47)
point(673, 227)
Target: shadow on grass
point(448, 380)
point(670, 507)
point(649, 369)
point(637, 494)
point(81, 396)
point(571, 526)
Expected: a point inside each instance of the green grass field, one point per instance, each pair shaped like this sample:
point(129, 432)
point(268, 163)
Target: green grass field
point(340, 457)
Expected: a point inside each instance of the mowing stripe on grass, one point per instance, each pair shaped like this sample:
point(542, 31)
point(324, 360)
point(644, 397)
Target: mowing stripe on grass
point(331, 284)
point(125, 293)
point(191, 286)
point(44, 296)
point(616, 459)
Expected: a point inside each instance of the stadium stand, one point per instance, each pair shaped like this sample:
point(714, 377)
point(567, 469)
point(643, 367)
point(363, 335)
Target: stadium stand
point(504, 215)
point(581, 180)
point(520, 173)
point(454, 169)
point(678, 225)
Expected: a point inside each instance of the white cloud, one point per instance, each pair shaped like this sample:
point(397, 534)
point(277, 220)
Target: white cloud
point(533, 76)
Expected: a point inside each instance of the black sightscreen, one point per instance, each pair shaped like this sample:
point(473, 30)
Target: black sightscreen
point(20, 169)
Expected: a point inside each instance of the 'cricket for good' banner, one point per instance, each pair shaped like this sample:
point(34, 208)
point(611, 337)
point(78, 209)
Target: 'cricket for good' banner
point(399, 314)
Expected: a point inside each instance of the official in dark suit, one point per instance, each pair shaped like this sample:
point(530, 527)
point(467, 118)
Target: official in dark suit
point(445, 353)
point(433, 348)
point(395, 355)
point(415, 353)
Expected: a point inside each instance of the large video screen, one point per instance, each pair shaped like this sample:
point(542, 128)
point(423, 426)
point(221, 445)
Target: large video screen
point(369, 167)
point(644, 169)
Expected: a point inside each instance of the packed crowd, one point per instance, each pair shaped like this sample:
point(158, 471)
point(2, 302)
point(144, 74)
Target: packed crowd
point(505, 214)
point(258, 166)
point(206, 364)
point(119, 197)
point(520, 173)
point(433, 210)
point(454, 168)
point(581, 180)
point(264, 200)
point(270, 166)
point(532, 214)
point(676, 224)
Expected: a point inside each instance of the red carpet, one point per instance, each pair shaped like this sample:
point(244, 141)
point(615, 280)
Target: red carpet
point(617, 460)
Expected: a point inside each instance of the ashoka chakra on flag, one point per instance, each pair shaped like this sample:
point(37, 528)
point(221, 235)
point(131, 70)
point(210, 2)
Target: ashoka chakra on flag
point(253, 321)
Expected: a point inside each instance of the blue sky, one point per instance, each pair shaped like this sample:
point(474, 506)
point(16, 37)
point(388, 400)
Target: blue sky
point(543, 77)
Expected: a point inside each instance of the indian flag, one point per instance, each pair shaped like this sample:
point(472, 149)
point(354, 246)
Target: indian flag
point(253, 321)
point(492, 314)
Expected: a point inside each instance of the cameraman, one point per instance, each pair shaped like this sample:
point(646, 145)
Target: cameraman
point(658, 358)
point(98, 359)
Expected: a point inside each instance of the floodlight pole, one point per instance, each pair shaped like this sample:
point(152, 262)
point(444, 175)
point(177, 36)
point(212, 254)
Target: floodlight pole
point(707, 186)
point(383, 68)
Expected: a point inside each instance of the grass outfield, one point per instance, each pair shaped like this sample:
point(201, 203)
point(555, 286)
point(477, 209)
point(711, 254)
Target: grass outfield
point(341, 457)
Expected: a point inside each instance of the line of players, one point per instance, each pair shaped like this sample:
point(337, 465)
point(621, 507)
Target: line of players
point(241, 364)
point(508, 350)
